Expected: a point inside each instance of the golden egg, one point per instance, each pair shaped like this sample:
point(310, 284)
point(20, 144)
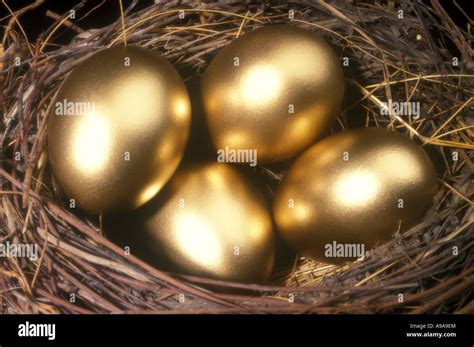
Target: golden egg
point(210, 222)
point(352, 190)
point(274, 90)
point(118, 129)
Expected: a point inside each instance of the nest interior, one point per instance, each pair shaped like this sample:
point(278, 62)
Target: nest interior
point(416, 54)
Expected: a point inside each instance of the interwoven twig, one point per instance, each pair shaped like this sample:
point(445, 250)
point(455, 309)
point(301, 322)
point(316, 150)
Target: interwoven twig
point(426, 269)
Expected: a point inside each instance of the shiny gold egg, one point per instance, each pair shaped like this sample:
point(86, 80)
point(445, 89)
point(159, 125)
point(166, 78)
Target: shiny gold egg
point(118, 129)
point(274, 90)
point(210, 222)
point(352, 190)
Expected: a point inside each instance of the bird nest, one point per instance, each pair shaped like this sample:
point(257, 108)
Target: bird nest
point(406, 52)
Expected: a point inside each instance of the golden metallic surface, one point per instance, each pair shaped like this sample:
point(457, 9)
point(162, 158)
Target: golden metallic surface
point(325, 198)
point(126, 134)
point(209, 222)
point(281, 69)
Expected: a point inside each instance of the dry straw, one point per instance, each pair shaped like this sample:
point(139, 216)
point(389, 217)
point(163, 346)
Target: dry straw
point(426, 269)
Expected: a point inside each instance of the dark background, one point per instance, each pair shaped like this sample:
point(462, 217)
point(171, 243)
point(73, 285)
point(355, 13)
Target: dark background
point(107, 11)
point(36, 21)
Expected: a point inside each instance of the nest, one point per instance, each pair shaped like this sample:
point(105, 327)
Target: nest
point(428, 268)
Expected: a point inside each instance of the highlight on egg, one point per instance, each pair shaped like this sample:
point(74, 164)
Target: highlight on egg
point(275, 90)
point(352, 190)
point(209, 221)
point(118, 129)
